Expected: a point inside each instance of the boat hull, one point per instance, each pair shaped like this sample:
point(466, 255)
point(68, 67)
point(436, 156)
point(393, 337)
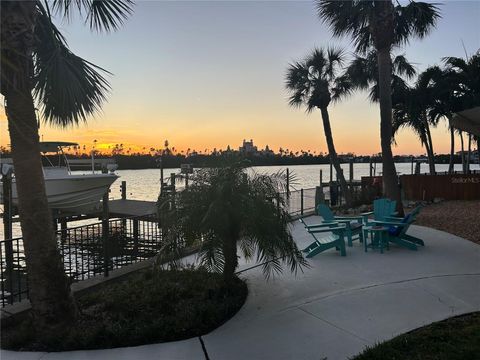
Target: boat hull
point(74, 193)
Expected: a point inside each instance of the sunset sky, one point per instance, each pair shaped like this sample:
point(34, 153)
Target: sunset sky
point(206, 75)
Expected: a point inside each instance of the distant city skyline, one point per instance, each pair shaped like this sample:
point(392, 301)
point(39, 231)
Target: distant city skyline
point(206, 75)
point(247, 147)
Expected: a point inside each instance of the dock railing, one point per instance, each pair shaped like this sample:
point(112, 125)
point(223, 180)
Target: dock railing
point(84, 253)
point(300, 202)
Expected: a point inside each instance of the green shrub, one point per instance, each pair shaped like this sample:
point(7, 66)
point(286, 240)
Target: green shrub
point(147, 307)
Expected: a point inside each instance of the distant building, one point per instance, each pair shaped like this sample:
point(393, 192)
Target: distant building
point(248, 147)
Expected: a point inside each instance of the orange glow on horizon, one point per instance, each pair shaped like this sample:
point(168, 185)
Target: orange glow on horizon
point(292, 129)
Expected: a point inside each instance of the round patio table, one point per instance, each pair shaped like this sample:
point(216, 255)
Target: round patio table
point(378, 237)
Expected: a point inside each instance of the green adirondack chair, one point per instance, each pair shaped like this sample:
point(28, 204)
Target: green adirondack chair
point(383, 209)
point(397, 230)
point(334, 240)
point(353, 224)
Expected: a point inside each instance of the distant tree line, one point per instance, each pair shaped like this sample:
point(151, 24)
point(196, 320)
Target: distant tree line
point(147, 161)
point(171, 160)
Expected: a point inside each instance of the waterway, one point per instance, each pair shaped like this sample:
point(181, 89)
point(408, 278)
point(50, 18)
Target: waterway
point(145, 184)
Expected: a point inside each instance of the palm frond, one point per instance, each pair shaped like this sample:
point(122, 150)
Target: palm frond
point(108, 15)
point(335, 60)
point(68, 88)
point(101, 15)
point(317, 62)
point(401, 66)
point(374, 93)
point(416, 19)
point(297, 76)
point(361, 72)
point(363, 40)
point(355, 18)
point(455, 62)
point(312, 81)
point(343, 17)
point(342, 88)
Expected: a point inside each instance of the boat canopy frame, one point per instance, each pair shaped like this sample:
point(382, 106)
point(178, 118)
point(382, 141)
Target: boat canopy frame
point(56, 147)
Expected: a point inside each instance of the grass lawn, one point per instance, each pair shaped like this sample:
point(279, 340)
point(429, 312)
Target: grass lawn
point(456, 338)
point(147, 307)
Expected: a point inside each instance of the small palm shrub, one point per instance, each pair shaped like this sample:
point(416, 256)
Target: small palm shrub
point(227, 209)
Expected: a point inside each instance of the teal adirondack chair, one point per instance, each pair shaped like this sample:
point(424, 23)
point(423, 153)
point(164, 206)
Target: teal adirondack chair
point(397, 230)
point(353, 224)
point(334, 240)
point(383, 209)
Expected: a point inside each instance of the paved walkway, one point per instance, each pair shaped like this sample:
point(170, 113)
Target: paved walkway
point(333, 309)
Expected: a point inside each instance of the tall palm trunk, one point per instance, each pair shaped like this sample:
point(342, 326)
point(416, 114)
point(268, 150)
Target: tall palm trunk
point(333, 156)
point(382, 30)
point(469, 154)
point(462, 148)
point(425, 142)
point(431, 153)
point(452, 147)
point(49, 291)
point(229, 250)
point(390, 178)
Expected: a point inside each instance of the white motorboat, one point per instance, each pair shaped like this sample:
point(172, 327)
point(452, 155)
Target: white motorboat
point(67, 192)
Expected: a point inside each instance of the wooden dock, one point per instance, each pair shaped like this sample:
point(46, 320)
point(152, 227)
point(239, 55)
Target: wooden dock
point(120, 208)
point(128, 208)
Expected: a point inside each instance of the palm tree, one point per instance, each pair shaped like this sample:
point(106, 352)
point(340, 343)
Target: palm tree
point(444, 103)
point(381, 25)
point(467, 78)
point(464, 81)
point(38, 69)
point(418, 106)
point(362, 74)
point(315, 82)
point(407, 114)
point(225, 207)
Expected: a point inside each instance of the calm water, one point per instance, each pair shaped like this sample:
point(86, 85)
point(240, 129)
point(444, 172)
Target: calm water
point(145, 184)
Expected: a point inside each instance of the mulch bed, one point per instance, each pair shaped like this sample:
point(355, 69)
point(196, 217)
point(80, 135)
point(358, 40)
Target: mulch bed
point(148, 307)
point(461, 218)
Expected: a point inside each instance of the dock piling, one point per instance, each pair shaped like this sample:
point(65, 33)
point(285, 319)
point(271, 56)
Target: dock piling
point(135, 235)
point(123, 190)
point(7, 232)
point(288, 182)
point(331, 171)
point(7, 206)
point(351, 174)
point(63, 228)
point(105, 233)
point(301, 201)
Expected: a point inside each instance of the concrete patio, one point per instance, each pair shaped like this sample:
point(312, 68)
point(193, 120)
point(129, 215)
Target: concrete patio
point(332, 310)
